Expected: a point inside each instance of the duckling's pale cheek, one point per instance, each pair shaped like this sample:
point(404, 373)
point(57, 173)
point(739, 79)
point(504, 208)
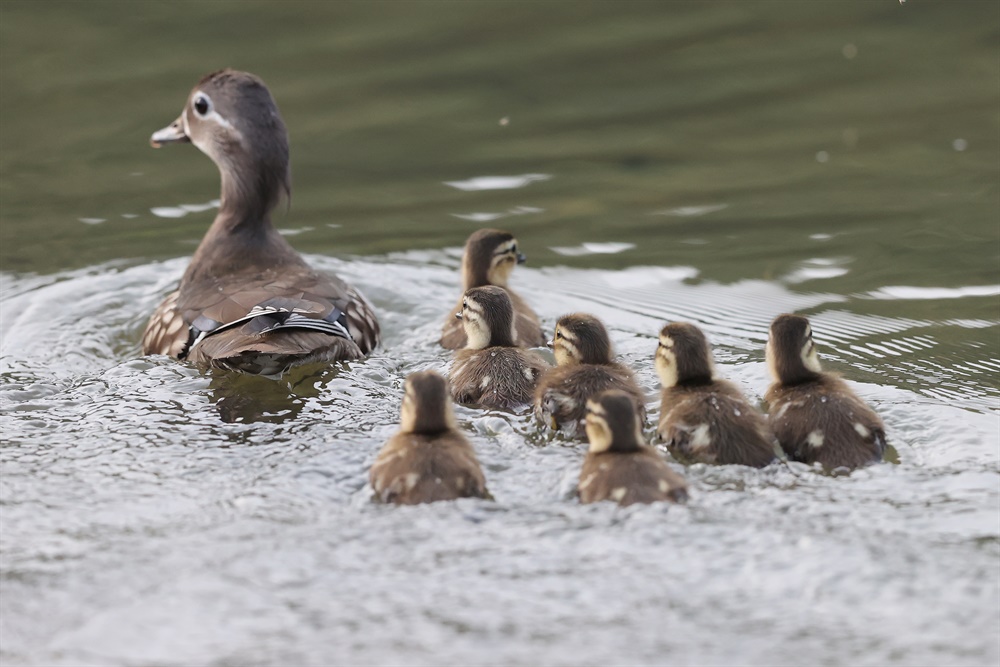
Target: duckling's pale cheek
point(477, 334)
point(666, 368)
point(598, 435)
point(810, 359)
point(772, 364)
point(500, 273)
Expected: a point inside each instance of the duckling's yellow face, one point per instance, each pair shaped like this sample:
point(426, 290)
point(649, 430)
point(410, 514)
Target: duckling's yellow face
point(810, 359)
point(408, 412)
point(477, 330)
point(564, 347)
point(598, 432)
point(807, 353)
point(505, 257)
point(666, 361)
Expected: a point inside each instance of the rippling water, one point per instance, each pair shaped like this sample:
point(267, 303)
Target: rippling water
point(712, 162)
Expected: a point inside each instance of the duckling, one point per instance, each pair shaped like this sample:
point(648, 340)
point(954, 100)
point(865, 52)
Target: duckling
point(491, 371)
point(489, 259)
point(620, 466)
point(815, 415)
point(248, 301)
point(585, 368)
point(703, 419)
point(428, 459)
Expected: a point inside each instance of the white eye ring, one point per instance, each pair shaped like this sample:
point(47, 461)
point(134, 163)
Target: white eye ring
point(201, 104)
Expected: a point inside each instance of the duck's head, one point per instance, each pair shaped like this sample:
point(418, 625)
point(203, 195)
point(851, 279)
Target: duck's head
point(580, 339)
point(426, 404)
point(612, 423)
point(683, 355)
point(488, 318)
point(791, 352)
point(489, 257)
point(231, 117)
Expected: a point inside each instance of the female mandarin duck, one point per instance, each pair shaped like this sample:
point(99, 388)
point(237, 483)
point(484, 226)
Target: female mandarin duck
point(489, 257)
point(704, 419)
point(816, 416)
point(248, 301)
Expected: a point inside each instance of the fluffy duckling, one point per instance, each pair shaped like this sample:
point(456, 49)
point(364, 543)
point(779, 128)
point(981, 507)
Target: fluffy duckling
point(248, 301)
point(815, 415)
point(703, 419)
point(585, 368)
point(428, 459)
point(491, 371)
point(490, 256)
point(620, 466)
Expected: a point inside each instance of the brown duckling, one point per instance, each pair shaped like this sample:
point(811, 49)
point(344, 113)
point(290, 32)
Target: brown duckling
point(815, 415)
point(248, 301)
point(620, 466)
point(586, 367)
point(704, 419)
point(428, 459)
point(492, 371)
point(489, 258)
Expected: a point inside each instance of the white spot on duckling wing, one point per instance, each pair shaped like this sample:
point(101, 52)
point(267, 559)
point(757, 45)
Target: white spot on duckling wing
point(529, 374)
point(619, 493)
point(663, 486)
point(485, 382)
point(815, 439)
point(411, 480)
point(700, 437)
point(586, 482)
point(861, 429)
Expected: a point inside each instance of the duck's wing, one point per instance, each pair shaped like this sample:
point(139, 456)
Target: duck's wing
point(294, 313)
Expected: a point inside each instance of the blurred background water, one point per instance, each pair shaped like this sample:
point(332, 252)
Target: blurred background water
point(715, 162)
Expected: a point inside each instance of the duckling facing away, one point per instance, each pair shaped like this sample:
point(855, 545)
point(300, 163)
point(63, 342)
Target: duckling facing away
point(585, 368)
point(248, 301)
point(489, 259)
point(815, 415)
point(491, 371)
point(703, 419)
point(619, 465)
point(428, 459)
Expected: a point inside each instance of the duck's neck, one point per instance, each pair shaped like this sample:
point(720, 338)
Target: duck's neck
point(242, 235)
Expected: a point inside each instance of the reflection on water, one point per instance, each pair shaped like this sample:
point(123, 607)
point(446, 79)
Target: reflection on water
point(712, 162)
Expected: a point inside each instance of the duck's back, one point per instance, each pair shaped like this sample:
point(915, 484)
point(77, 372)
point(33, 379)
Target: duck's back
point(713, 423)
point(263, 320)
point(495, 377)
point(823, 421)
point(562, 393)
point(626, 478)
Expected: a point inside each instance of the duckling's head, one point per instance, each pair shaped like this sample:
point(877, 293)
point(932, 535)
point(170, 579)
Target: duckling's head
point(489, 257)
point(488, 318)
point(426, 404)
point(683, 355)
point(580, 339)
point(791, 352)
point(231, 117)
point(612, 423)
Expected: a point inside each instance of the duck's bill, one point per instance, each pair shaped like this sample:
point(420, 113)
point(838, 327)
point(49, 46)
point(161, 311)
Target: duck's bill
point(173, 133)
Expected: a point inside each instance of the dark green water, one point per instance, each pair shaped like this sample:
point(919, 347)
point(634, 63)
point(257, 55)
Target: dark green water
point(742, 159)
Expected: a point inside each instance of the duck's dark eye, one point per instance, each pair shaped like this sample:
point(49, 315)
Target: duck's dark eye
point(558, 334)
point(201, 105)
